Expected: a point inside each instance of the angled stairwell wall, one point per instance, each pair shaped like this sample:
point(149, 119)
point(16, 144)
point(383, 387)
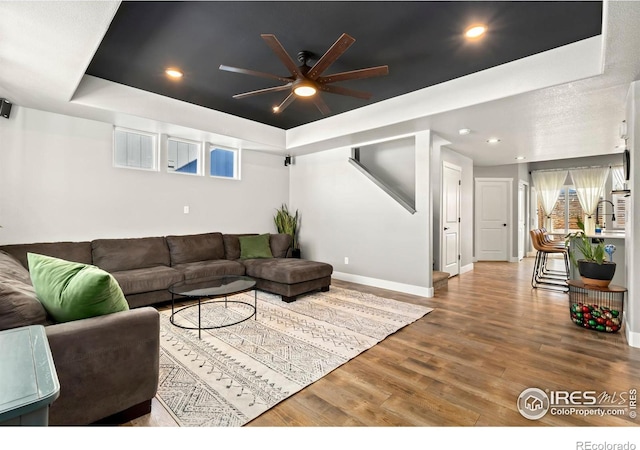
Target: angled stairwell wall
point(391, 166)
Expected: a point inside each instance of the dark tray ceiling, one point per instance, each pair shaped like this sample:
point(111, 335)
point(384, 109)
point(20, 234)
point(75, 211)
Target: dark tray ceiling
point(421, 42)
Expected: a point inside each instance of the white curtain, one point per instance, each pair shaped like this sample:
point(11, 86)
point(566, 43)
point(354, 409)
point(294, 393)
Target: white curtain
point(549, 184)
point(617, 178)
point(589, 184)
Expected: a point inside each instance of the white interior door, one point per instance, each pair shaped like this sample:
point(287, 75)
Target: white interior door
point(451, 180)
point(493, 215)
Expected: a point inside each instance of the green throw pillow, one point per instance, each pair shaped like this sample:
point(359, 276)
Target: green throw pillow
point(255, 247)
point(71, 291)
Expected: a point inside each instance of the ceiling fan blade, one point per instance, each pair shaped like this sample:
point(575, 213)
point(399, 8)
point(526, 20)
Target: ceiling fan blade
point(344, 91)
point(254, 73)
point(264, 91)
point(286, 102)
point(355, 74)
point(338, 48)
point(279, 50)
point(322, 106)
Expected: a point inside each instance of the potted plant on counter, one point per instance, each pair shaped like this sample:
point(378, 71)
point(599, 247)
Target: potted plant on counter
point(594, 269)
point(287, 223)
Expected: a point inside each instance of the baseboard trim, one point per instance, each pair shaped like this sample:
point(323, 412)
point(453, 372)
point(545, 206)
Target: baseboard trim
point(633, 338)
point(466, 268)
point(385, 284)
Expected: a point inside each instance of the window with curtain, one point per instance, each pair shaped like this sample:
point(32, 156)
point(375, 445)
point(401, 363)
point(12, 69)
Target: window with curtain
point(618, 199)
point(568, 207)
point(566, 211)
point(617, 178)
point(589, 184)
point(549, 185)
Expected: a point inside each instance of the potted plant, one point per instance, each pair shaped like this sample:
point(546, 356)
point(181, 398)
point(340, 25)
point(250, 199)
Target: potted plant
point(287, 223)
point(594, 269)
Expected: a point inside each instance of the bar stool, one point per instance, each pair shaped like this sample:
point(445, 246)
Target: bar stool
point(547, 240)
point(553, 247)
point(543, 277)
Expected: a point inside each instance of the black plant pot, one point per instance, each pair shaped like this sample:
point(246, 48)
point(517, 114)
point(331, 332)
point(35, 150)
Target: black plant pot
point(295, 253)
point(594, 274)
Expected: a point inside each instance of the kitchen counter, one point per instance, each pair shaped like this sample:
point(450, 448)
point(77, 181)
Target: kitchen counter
point(560, 234)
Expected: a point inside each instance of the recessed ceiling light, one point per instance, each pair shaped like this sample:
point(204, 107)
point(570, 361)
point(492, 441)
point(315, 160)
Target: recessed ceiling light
point(475, 31)
point(173, 73)
point(520, 158)
point(464, 131)
point(493, 140)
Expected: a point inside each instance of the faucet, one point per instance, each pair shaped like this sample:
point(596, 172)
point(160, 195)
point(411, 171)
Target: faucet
point(613, 215)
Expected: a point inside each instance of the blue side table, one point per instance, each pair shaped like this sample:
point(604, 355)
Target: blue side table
point(28, 379)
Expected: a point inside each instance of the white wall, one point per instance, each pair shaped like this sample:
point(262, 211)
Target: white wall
point(57, 182)
point(344, 214)
point(632, 254)
point(393, 162)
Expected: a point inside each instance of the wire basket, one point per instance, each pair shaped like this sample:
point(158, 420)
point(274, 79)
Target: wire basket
point(596, 308)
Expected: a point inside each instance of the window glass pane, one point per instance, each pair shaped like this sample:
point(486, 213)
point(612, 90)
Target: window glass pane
point(223, 163)
point(183, 157)
point(620, 211)
point(134, 150)
point(575, 210)
point(558, 213)
point(120, 149)
point(146, 152)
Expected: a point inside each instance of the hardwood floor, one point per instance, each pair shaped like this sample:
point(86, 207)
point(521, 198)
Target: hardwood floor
point(490, 337)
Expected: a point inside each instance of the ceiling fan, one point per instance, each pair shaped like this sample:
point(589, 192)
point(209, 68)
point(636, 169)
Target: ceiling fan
point(306, 81)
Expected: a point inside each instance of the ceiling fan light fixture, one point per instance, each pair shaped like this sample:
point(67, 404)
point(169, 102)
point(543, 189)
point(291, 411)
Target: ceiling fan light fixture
point(475, 31)
point(305, 81)
point(173, 73)
point(305, 89)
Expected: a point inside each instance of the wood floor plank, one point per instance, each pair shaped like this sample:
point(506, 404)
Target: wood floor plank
point(489, 337)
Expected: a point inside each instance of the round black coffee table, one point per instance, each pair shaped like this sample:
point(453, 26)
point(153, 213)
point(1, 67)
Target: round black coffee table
point(206, 291)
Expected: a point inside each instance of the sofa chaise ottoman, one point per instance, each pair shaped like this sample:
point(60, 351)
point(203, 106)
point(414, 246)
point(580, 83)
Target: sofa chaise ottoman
point(282, 275)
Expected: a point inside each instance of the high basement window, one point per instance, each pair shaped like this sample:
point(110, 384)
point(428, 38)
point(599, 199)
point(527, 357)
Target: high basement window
point(184, 156)
point(224, 162)
point(133, 149)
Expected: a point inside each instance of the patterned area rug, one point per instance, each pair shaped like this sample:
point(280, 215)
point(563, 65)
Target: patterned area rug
point(234, 374)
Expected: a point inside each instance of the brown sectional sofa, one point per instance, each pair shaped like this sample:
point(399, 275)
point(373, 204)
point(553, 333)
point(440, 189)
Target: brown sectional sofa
point(108, 365)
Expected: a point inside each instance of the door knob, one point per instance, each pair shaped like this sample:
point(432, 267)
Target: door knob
point(446, 228)
point(504, 224)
